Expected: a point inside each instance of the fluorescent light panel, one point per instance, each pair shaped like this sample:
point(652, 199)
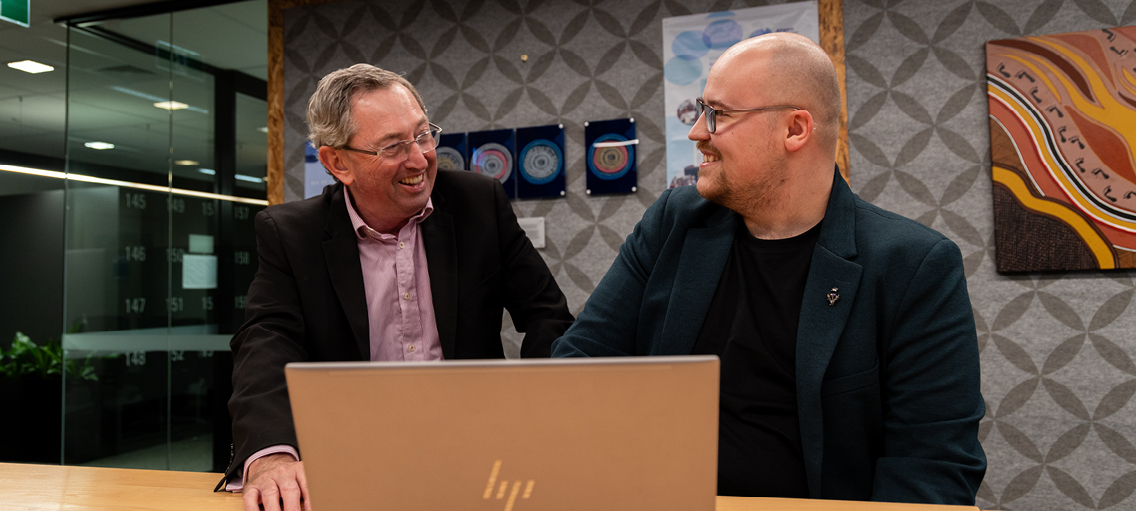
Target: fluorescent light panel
point(100, 146)
point(157, 99)
point(251, 179)
point(186, 162)
point(171, 105)
point(210, 172)
point(128, 184)
point(30, 66)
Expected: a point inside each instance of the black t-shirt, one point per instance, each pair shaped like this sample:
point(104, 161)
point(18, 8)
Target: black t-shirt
point(752, 327)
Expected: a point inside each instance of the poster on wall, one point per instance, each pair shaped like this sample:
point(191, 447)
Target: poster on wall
point(540, 162)
point(1062, 135)
point(492, 155)
point(691, 44)
point(451, 151)
point(611, 156)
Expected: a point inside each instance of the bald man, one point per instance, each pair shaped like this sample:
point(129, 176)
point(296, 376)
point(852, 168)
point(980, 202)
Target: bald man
point(849, 359)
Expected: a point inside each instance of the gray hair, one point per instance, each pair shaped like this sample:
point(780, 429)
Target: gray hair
point(329, 110)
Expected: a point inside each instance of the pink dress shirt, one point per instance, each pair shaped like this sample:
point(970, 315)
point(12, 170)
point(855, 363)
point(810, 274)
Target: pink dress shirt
point(400, 307)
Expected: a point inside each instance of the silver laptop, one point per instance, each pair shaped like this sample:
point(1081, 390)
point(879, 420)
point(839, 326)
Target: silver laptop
point(628, 434)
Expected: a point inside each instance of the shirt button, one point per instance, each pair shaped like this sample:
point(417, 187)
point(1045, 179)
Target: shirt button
point(411, 347)
point(401, 245)
point(406, 296)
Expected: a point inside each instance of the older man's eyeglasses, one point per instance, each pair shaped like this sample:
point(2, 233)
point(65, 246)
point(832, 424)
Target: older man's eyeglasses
point(711, 113)
point(399, 151)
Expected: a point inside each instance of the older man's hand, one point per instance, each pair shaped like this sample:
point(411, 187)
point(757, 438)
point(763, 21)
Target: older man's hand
point(276, 483)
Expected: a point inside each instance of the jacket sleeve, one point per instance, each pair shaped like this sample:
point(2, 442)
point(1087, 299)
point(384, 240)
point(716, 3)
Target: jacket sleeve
point(608, 325)
point(532, 297)
point(272, 336)
point(932, 402)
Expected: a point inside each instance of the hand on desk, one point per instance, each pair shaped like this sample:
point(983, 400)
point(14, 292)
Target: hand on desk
point(276, 482)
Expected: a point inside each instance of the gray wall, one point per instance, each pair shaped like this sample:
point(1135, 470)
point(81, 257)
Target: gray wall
point(1056, 349)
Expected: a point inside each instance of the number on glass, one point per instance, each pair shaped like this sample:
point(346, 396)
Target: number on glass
point(208, 208)
point(241, 212)
point(239, 301)
point(206, 353)
point(135, 305)
point(242, 257)
point(206, 303)
point(135, 253)
point(177, 205)
point(177, 355)
point(175, 255)
point(175, 304)
point(136, 200)
point(135, 358)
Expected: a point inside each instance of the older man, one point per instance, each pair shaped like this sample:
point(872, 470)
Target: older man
point(397, 261)
point(847, 343)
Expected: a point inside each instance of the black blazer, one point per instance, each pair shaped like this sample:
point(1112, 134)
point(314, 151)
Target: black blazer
point(307, 302)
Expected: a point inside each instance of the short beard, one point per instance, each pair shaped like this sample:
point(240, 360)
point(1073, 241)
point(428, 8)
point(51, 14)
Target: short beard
point(761, 195)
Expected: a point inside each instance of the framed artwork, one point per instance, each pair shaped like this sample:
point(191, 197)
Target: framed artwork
point(451, 151)
point(540, 162)
point(1062, 135)
point(611, 156)
point(492, 155)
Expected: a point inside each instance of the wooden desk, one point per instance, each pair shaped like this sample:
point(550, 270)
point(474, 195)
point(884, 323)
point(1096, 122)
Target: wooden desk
point(54, 487)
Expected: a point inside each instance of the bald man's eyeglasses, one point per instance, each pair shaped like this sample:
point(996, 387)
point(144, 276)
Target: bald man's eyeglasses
point(399, 151)
point(711, 112)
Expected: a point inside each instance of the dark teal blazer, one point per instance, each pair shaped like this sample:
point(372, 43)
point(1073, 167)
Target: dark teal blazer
point(887, 376)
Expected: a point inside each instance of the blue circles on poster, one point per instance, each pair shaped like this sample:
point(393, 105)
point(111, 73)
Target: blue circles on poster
point(610, 162)
point(541, 161)
point(493, 160)
point(689, 45)
point(450, 159)
point(682, 71)
point(722, 34)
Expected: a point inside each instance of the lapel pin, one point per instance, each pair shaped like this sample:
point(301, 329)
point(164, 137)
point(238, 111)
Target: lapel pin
point(832, 296)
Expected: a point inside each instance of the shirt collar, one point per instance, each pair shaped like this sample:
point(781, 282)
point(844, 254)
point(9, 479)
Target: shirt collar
point(362, 230)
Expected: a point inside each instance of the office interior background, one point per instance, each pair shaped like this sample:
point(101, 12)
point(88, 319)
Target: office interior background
point(1057, 348)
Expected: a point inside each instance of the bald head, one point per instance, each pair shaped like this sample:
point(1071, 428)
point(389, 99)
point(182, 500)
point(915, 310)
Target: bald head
point(793, 70)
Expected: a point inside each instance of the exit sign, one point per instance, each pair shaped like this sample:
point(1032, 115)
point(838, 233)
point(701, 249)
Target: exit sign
point(16, 11)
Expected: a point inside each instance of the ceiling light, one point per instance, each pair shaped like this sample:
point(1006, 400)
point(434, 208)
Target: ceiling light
point(30, 66)
point(186, 162)
point(242, 177)
point(207, 171)
point(171, 105)
point(99, 145)
point(263, 129)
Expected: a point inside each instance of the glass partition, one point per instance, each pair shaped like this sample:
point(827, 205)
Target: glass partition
point(159, 243)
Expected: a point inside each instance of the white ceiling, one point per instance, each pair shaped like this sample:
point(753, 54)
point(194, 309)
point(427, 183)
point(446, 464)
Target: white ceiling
point(113, 88)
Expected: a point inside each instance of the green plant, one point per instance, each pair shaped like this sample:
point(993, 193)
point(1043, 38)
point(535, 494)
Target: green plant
point(27, 358)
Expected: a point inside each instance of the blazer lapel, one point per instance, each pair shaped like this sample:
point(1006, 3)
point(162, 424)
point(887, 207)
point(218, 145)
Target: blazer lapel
point(830, 291)
point(341, 252)
point(441, 262)
point(704, 254)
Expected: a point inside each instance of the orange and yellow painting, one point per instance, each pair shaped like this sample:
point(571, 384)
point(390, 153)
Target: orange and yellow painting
point(1062, 136)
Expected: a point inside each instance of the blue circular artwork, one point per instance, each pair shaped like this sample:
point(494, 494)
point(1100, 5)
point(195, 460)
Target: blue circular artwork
point(722, 34)
point(541, 161)
point(682, 71)
point(689, 45)
point(610, 162)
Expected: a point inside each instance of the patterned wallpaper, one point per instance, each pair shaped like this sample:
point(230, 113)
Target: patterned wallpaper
point(1057, 349)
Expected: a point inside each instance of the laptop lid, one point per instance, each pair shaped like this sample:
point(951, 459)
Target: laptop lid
point(628, 433)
